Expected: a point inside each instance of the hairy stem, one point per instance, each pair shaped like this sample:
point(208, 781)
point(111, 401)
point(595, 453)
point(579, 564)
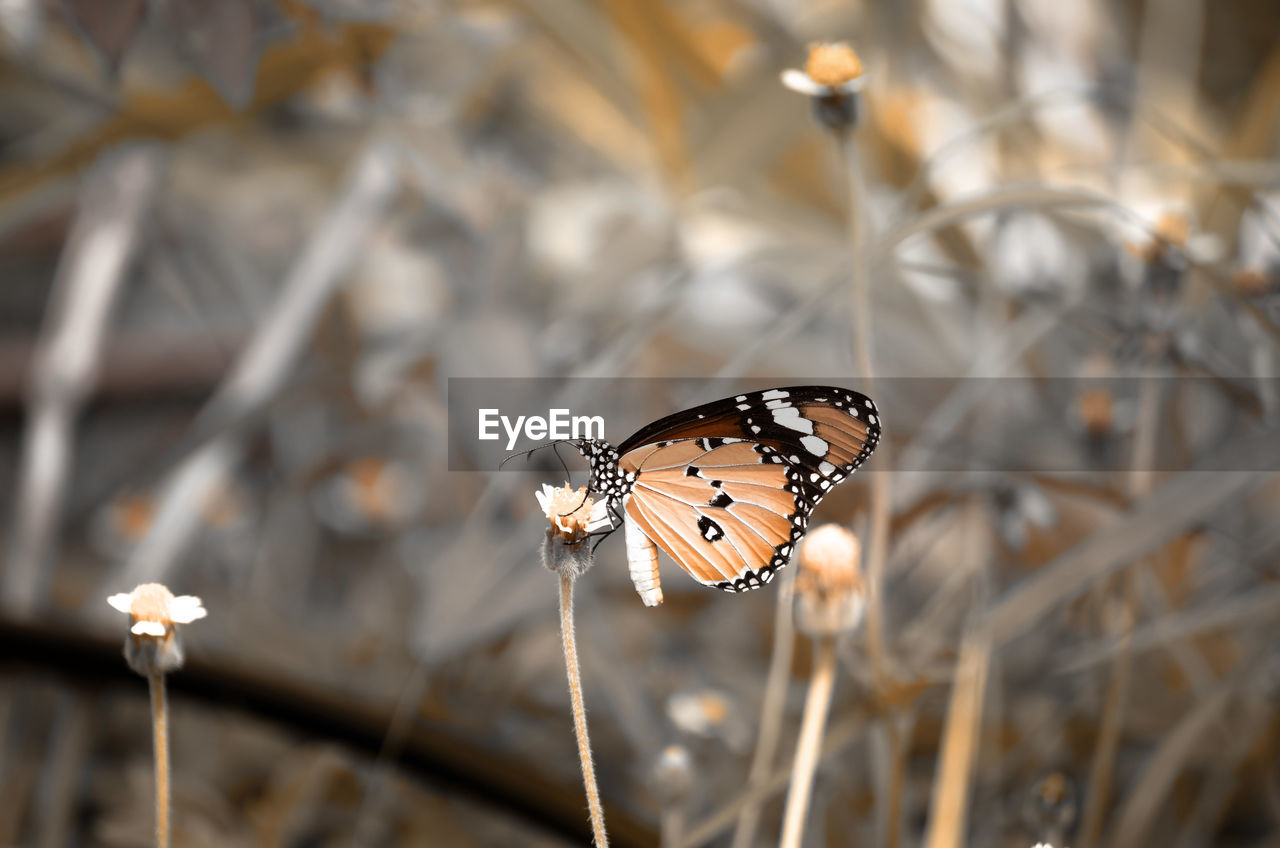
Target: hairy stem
point(160, 732)
point(579, 712)
point(815, 720)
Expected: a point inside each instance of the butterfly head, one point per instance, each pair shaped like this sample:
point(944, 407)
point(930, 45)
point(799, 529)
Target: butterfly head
point(606, 477)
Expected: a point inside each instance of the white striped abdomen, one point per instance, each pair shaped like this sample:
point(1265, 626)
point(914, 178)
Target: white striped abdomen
point(642, 561)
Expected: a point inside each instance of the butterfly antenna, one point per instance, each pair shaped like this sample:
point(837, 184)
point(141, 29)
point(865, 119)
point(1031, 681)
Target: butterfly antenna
point(555, 448)
point(530, 451)
point(578, 507)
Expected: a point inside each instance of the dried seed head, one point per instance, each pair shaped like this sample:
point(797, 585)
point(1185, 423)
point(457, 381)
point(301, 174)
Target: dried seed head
point(572, 514)
point(672, 775)
point(830, 595)
point(1173, 229)
point(833, 64)
point(1167, 244)
point(1250, 282)
point(153, 646)
point(833, 78)
point(1050, 809)
point(1096, 411)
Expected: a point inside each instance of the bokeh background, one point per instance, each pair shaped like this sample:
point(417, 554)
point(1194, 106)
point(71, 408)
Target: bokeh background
point(245, 244)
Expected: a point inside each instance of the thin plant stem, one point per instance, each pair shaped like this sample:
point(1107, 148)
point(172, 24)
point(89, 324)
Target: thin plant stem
point(816, 705)
point(881, 494)
point(775, 699)
point(899, 747)
point(672, 826)
point(160, 732)
point(1104, 755)
point(842, 735)
point(579, 712)
point(959, 745)
point(1139, 485)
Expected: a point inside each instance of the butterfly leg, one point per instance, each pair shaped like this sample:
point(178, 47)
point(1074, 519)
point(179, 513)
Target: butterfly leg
point(642, 559)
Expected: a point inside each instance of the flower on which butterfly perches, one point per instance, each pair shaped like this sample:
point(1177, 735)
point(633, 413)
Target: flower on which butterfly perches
point(153, 646)
point(572, 516)
point(832, 77)
point(830, 595)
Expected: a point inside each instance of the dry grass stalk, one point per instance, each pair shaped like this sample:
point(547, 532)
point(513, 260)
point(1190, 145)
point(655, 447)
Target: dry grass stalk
point(830, 600)
point(816, 704)
point(775, 696)
point(947, 815)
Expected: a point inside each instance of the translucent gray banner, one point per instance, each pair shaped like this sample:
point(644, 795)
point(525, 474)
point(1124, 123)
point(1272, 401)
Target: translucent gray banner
point(1007, 424)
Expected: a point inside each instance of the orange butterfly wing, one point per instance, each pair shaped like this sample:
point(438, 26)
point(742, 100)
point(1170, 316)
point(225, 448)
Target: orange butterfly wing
point(727, 512)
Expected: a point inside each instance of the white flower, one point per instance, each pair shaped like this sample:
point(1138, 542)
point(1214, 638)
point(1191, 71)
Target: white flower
point(832, 69)
point(153, 611)
point(572, 514)
point(154, 608)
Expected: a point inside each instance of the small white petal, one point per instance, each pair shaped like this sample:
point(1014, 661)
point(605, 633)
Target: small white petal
point(599, 518)
point(544, 497)
point(803, 83)
point(147, 628)
point(185, 609)
point(122, 601)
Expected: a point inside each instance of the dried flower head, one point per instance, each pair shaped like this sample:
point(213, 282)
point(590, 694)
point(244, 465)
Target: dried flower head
point(153, 646)
point(833, 77)
point(672, 774)
point(1050, 809)
point(572, 514)
point(830, 595)
point(1096, 411)
point(1250, 282)
point(573, 517)
point(832, 64)
point(709, 713)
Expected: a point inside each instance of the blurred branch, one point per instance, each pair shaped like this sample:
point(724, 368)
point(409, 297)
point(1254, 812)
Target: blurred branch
point(267, 361)
point(116, 196)
point(461, 765)
point(1255, 608)
point(1148, 796)
point(841, 735)
point(285, 70)
point(1152, 522)
point(1163, 515)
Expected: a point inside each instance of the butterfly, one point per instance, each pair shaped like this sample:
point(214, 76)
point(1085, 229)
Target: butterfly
point(726, 489)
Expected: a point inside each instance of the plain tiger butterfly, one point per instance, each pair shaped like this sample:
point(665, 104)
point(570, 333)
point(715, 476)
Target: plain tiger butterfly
point(727, 488)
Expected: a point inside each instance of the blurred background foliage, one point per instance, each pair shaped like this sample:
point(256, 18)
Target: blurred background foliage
point(244, 244)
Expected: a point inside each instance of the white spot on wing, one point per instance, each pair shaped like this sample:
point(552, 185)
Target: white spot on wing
point(773, 393)
point(813, 444)
point(827, 468)
point(790, 417)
